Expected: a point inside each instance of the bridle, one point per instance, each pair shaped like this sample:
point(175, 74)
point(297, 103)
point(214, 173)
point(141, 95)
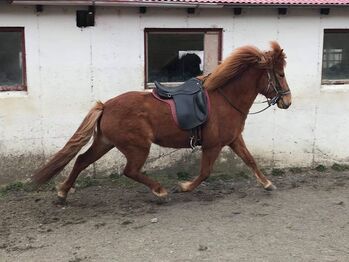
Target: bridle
point(273, 83)
point(279, 93)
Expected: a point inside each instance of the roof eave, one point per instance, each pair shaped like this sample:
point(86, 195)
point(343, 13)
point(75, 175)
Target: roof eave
point(168, 4)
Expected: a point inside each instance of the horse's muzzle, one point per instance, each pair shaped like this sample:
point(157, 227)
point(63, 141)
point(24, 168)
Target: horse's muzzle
point(281, 103)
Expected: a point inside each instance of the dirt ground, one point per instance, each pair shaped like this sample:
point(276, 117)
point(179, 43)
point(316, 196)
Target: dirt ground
point(225, 219)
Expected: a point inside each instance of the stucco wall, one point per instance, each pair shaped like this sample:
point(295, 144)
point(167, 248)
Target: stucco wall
point(68, 68)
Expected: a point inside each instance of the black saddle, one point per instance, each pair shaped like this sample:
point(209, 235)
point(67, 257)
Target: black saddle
point(190, 102)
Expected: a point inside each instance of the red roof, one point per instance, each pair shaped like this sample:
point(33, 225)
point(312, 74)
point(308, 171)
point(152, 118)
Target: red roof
point(189, 2)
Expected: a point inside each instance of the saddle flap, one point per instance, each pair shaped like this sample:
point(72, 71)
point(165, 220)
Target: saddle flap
point(191, 110)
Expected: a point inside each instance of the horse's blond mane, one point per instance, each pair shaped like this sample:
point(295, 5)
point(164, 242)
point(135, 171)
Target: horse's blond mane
point(242, 58)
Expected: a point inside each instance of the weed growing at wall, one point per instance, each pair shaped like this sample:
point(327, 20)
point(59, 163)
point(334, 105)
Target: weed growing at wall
point(87, 181)
point(15, 187)
point(277, 172)
point(296, 170)
point(340, 167)
point(321, 168)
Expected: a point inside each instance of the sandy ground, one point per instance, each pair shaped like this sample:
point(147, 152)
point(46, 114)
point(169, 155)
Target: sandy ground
point(306, 219)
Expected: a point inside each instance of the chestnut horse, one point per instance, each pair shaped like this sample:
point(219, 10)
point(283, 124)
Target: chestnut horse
point(133, 121)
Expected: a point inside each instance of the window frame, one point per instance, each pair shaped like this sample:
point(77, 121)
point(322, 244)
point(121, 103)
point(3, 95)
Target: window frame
point(333, 82)
point(23, 86)
point(176, 30)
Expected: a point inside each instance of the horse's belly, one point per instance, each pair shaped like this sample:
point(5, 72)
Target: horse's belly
point(168, 134)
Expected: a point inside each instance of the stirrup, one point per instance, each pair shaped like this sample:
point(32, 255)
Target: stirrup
point(193, 142)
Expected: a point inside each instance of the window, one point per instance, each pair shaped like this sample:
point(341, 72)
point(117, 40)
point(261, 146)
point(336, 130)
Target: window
point(335, 61)
point(12, 59)
point(176, 55)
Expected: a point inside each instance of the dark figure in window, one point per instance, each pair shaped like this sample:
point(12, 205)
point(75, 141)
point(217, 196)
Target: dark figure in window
point(338, 71)
point(190, 64)
point(179, 70)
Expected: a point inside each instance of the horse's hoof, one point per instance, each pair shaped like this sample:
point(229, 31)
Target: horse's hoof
point(270, 187)
point(160, 192)
point(61, 194)
point(185, 186)
point(72, 190)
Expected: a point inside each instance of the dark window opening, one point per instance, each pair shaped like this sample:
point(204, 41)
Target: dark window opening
point(12, 59)
point(335, 61)
point(174, 56)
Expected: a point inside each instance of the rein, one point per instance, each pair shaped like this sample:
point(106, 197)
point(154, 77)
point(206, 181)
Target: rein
point(229, 102)
point(277, 88)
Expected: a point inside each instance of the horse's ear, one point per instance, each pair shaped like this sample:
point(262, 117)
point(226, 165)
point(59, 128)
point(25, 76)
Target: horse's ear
point(279, 55)
point(263, 60)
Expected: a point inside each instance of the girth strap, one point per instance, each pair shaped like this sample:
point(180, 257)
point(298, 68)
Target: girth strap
point(196, 137)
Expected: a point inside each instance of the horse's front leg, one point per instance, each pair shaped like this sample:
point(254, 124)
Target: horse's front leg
point(239, 147)
point(209, 156)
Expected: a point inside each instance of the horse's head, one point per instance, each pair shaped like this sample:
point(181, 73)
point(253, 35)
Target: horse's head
point(273, 84)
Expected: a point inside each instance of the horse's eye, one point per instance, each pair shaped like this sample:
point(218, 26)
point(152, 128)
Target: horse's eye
point(282, 75)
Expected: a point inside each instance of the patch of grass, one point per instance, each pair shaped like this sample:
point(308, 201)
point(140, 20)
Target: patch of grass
point(114, 176)
point(296, 170)
point(87, 181)
point(183, 175)
point(212, 178)
point(340, 167)
point(2, 192)
point(242, 174)
point(222, 177)
point(321, 168)
point(277, 172)
point(126, 182)
point(123, 181)
point(14, 187)
point(264, 170)
point(168, 179)
point(49, 186)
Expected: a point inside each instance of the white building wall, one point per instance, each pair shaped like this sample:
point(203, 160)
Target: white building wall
point(68, 68)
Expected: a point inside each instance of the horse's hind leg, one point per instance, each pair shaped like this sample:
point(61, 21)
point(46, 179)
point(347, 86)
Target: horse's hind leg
point(241, 150)
point(98, 148)
point(136, 157)
point(209, 156)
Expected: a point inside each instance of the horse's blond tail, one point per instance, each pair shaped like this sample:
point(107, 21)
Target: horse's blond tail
point(80, 138)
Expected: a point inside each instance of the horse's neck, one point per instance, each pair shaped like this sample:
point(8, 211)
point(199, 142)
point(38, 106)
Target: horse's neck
point(243, 91)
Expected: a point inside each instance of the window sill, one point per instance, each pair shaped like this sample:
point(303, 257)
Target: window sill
point(335, 88)
point(12, 94)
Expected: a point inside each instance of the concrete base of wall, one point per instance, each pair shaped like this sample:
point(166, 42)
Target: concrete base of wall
point(160, 161)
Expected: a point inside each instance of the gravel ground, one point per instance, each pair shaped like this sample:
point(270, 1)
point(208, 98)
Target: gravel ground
point(306, 219)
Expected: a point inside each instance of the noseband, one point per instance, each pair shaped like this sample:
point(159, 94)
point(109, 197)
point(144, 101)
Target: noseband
point(274, 83)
